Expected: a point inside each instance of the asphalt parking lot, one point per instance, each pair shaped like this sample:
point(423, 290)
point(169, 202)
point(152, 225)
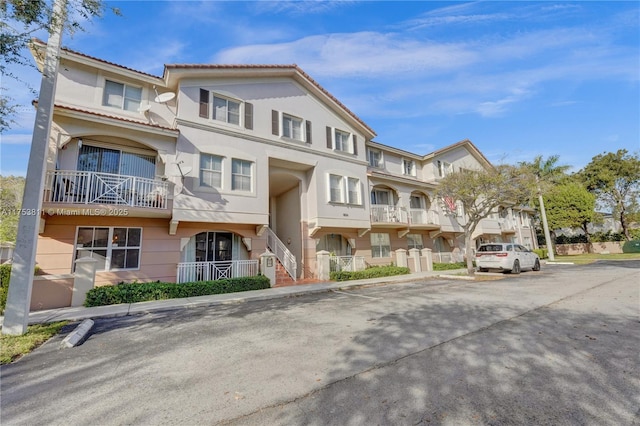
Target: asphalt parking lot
point(555, 347)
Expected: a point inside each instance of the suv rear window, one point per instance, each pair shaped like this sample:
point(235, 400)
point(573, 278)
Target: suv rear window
point(491, 247)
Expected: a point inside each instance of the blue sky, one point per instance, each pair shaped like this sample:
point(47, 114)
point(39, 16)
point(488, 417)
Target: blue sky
point(519, 79)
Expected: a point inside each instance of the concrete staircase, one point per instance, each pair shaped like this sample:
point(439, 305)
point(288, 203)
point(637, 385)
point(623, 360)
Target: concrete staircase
point(282, 276)
point(284, 280)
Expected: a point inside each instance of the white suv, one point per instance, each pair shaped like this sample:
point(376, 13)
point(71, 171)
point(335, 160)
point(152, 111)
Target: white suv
point(507, 257)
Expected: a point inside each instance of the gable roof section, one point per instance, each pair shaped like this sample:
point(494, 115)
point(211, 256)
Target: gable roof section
point(473, 150)
point(38, 46)
point(466, 143)
point(173, 73)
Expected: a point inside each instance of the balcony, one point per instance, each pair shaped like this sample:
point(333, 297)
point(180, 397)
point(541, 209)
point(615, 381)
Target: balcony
point(209, 271)
point(389, 216)
point(424, 219)
point(507, 226)
point(78, 188)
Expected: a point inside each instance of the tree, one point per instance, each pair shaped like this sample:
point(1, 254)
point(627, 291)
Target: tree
point(481, 193)
point(570, 205)
point(11, 189)
point(615, 179)
point(20, 20)
point(546, 173)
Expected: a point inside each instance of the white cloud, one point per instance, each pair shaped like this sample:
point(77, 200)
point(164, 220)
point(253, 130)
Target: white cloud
point(16, 139)
point(303, 7)
point(355, 54)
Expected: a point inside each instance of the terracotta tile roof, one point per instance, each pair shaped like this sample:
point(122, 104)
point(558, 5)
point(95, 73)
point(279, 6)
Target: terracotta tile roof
point(38, 41)
point(114, 117)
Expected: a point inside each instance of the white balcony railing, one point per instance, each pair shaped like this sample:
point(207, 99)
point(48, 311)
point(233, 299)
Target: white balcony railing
point(208, 271)
point(423, 217)
point(347, 263)
point(507, 224)
point(78, 187)
point(388, 214)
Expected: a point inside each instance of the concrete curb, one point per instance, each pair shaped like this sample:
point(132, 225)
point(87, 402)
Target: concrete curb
point(78, 335)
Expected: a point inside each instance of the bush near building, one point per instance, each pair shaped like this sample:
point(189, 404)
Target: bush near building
point(144, 292)
point(373, 272)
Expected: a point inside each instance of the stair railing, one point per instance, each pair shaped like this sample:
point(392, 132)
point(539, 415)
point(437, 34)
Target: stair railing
point(286, 258)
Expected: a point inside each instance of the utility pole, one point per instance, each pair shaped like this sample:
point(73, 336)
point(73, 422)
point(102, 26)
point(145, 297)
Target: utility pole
point(545, 225)
point(16, 313)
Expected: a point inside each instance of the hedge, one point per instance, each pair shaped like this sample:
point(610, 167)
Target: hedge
point(143, 292)
point(449, 266)
point(374, 272)
point(5, 276)
point(542, 253)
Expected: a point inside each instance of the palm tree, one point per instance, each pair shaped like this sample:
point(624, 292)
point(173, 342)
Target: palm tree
point(547, 172)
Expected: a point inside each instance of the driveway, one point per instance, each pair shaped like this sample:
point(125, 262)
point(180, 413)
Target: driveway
point(556, 347)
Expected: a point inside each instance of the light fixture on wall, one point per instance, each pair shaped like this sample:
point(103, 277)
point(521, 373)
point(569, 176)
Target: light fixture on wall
point(79, 142)
point(288, 241)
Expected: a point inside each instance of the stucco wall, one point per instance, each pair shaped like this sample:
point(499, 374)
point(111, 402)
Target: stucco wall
point(612, 247)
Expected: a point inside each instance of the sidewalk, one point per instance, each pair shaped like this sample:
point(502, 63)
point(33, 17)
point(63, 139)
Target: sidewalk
point(111, 311)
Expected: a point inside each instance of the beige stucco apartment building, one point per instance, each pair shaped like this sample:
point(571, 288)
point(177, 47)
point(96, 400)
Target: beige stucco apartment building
point(197, 172)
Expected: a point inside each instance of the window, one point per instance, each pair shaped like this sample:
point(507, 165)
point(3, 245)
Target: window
point(380, 245)
point(291, 127)
point(241, 175)
point(409, 167)
point(210, 171)
point(122, 96)
point(416, 202)
point(226, 110)
point(415, 241)
point(444, 168)
point(105, 160)
point(339, 140)
point(375, 158)
point(381, 197)
point(113, 248)
point(353, 191)
point(342, 141)
point(337, 190)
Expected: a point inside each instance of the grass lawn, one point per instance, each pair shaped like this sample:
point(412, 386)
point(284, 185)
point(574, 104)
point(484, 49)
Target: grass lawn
point(583, 259)
point(13, 347)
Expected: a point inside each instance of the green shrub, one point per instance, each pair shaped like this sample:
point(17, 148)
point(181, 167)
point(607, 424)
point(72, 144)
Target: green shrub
point(374, 272)
point(632, 246)
point(542, 253)
point(5, 275)
point(449, 266)
point(142, 292)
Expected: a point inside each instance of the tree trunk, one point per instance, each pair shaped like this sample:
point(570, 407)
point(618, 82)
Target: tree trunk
point(623, 224)
point(469, 252)
point(588, 236)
